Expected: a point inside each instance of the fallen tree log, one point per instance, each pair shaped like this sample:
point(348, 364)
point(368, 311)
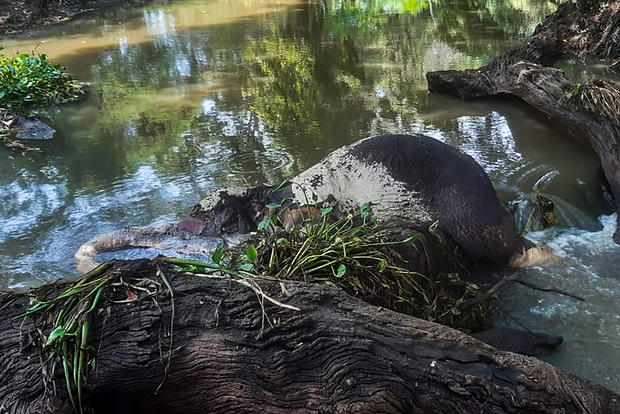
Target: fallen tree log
point(170, 342)
point(592, 108)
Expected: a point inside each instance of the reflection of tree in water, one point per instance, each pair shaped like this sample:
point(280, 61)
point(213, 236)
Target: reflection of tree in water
point(301, 83)
point(336, 67)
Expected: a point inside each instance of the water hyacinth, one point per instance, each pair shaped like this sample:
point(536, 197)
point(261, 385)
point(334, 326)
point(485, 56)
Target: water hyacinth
point(28, 79)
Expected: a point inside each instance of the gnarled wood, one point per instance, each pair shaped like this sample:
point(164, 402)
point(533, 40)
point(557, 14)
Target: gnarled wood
point(336, 354)
point(521, 73)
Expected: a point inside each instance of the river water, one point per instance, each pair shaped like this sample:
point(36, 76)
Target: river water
point(190, 96)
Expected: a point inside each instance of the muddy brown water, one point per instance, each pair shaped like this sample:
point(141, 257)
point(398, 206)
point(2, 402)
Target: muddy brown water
point(190, 96)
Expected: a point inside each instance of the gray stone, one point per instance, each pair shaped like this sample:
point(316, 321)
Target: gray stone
point(32, 128)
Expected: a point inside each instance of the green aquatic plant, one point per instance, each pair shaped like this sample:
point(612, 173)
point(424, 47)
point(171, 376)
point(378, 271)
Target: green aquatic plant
point(315, 243)
point(28, 79)
point(63, 320)
point(70, 313)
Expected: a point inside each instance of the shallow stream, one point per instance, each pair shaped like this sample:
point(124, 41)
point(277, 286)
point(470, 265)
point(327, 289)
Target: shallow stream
point(189, 96)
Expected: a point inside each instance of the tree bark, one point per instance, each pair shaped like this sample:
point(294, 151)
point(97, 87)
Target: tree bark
point(230, 354)
point(39, 8)
point(524, 73)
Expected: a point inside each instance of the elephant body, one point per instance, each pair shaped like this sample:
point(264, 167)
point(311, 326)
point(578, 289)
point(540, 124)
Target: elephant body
point(416, 180)
point(415, 184)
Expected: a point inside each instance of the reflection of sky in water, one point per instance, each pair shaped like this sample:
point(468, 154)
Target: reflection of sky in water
point(158, 23)
point(490, 142)
point(26, 202)
point(123, 45)
point(121, 205)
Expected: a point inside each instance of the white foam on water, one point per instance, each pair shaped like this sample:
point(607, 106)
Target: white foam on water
point(589, 268)
point(594, 251)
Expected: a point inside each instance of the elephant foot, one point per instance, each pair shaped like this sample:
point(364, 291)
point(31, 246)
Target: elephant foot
point(521, 342)
point(533, 256)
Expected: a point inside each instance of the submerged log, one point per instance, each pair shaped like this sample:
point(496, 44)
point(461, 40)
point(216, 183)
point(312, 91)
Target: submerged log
point(592, 108)
point(195, 345)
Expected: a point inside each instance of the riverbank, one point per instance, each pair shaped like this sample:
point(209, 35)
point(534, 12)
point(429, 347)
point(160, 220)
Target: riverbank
point(17, 16)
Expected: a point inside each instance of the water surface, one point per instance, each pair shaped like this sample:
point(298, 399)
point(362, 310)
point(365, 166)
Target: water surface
point(190, 96)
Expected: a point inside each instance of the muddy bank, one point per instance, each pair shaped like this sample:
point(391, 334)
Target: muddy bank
point(17, 16)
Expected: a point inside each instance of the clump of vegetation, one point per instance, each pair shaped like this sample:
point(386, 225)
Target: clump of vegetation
point(64, 319)
point(69, 314)
point(597, 96)
point(352, 251)
point(28, 79)
point(357, 254)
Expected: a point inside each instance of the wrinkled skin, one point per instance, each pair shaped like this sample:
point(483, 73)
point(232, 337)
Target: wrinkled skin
point(415, 183)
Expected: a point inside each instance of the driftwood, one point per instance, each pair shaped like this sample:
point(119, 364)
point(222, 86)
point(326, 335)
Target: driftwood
point(592, 108)
point(198, 345)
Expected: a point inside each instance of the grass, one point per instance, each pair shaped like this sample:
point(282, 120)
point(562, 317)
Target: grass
point(67, 341)
point(64, 321)
point(28, 79)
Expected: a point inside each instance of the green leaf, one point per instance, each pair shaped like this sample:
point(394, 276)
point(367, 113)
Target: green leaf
point(366, 210)
point(58, 332)
point(284, 184)
point(382, 265)
point(251, 254)
point(192, 269)
point(264, 224)
point(326, 211)
point(273, 205)
point(342, 269)
point(247, 267)
point(411, 240)
point(217, 255)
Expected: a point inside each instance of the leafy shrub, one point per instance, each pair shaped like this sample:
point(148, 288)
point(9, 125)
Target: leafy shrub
point(27, 79)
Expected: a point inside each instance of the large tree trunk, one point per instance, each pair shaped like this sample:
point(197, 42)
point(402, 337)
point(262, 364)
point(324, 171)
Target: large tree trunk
point(593, 108)
point(39, 8)
point(230, 354)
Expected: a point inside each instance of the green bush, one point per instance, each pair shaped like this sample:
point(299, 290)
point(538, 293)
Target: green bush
point(27, 79)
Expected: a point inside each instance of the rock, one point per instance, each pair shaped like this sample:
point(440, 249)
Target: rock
point(32, 128)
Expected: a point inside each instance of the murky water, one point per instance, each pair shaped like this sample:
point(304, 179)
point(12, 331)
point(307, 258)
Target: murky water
point(190, 96)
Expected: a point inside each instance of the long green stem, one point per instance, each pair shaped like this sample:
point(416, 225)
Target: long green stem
point(80, 369)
